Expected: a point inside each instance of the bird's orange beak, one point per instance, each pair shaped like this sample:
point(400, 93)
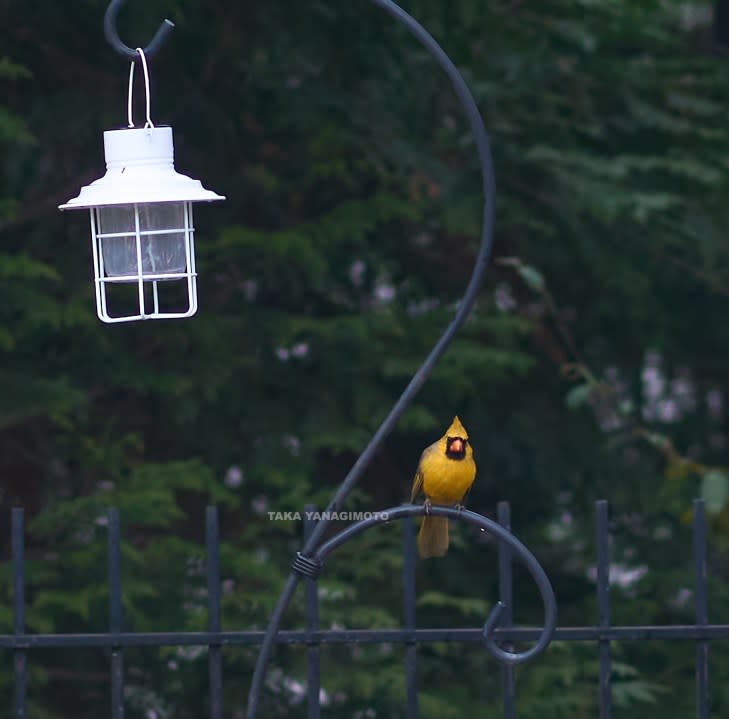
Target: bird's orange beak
point(457, 445)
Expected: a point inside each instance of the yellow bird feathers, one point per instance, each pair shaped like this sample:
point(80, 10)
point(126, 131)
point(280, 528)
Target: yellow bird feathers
point(444, 475)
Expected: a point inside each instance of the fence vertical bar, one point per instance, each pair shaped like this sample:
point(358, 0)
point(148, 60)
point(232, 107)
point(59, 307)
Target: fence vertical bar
point(313, 660)
point(603, 605)
point(20, 657)
point(702, 618)
point(212, 560)
point(506, 595)
point(411, 649)
point(115, 615)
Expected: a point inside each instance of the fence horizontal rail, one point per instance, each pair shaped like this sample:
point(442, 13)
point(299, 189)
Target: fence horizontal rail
point(364, 636)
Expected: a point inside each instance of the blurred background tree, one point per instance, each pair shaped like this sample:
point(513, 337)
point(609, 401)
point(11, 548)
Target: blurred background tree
point(593, 365)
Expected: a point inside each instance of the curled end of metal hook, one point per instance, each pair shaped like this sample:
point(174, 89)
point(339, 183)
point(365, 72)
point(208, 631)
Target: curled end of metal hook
point(112, 36)
point(159, 37)
point(502, 655)
point(493, 620)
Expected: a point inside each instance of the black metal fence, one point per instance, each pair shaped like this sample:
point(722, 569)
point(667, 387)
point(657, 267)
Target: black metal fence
point(603, 634)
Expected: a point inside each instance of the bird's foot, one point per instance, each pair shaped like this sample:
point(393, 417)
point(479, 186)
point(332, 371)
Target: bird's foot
point(460, 507)
point(428, 506)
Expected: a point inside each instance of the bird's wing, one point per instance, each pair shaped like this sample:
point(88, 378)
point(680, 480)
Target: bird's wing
point(417, 484)
point(418, 479)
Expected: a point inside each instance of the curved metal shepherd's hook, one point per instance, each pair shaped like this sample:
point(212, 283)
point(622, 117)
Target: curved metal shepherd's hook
point(483, 152)
point(112, 35)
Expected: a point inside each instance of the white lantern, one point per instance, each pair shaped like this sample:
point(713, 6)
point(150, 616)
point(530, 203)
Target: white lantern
point(142, 232)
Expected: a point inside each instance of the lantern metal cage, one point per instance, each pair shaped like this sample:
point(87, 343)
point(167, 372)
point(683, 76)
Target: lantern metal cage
point(142, 232)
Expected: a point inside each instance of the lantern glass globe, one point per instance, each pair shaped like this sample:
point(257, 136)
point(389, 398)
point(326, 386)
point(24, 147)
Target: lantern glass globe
point(161, 229)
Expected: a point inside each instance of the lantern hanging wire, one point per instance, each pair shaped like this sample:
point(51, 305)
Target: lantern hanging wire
point(130, 95)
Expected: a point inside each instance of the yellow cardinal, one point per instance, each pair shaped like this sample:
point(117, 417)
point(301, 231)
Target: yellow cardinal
point(445, 474)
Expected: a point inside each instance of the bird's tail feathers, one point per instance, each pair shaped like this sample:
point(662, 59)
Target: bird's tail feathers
point(433, 537)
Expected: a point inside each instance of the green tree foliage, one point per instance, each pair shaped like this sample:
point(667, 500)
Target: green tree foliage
point(593, 365)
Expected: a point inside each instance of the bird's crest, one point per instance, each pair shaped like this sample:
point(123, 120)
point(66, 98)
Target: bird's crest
point(457, 429)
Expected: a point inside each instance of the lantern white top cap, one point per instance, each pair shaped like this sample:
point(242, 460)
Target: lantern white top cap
point(140, 169)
